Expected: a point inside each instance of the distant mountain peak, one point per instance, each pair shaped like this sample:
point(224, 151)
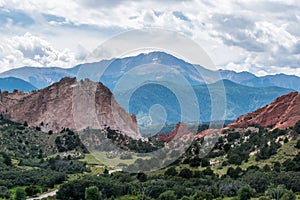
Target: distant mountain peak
point(41, 77)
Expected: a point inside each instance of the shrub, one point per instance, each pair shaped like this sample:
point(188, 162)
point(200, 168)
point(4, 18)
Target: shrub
point(32, 190)
point(297, 144)
point(171, 172)
point(91, 193)
point(20, 194)
point(167, 195)
point(246, 193)
point(4, 193)
point(234, 159)
point(186, 173)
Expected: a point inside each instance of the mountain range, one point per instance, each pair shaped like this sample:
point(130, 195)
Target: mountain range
point(239, 100)
point(130, 76)
point(161, 62)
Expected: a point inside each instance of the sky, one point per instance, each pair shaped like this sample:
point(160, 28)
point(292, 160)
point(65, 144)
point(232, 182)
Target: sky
point(259, 36)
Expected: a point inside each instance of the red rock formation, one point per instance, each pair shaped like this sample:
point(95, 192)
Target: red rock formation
point(180, 129)
point(283, 113)
point(162, 137)
point(207, 132)
point(70, 104)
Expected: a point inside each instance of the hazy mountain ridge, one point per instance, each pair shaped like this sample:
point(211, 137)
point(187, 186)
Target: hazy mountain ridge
point(239, 100)
point(11, 83)
point(280, 80)
point(42, 77)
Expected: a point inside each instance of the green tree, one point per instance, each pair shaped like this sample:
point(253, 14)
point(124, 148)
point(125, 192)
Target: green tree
point(6, 159)
point(289, 165)
point(208, 171)
point(133, 197)
point(297, 144)
point(246, 193)
point(267, 168)
point(171, 172)
point(32, 190)
point(105, 171)
point(91, 193)
point(234, 159)
point(205, 162)
point(186, 173)
point(167, 195)
point(277, 166)
point(20, 194)
point(275, 192)
point(264, 198)
point(202, 195)
point(195, 162)
point(141, 177)
point(4, 193)
point(185, 198)
point(288, 195)
point(234, 173)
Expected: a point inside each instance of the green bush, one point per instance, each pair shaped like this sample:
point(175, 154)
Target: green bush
point(91, 193)
point(32, 190)
point(20, 194)
point(246, 193)
point(167, 195)
point(4, 192)
point(186, 173)
point(171, 172)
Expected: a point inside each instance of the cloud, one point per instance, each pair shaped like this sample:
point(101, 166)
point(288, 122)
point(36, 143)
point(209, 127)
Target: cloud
point(30, 50)
point(266, 37)
point(260, 35)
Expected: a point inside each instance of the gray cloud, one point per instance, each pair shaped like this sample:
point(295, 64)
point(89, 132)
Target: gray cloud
point(252, 35)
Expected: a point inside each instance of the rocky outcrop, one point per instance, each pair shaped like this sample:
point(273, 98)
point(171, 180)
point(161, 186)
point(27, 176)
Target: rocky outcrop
point(283, 113)
point(180, 129)
point(69, 104)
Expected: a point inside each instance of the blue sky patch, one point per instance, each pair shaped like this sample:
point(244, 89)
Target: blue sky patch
point(181, 16)
point(17, 17)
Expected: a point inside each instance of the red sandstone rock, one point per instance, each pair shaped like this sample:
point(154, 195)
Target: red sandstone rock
point(283, 113)
point(180, 130)
point(69, 104)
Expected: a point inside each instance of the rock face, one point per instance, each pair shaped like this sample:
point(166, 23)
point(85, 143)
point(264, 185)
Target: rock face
point(69, 104)
point(284, 112)
point(179, 130)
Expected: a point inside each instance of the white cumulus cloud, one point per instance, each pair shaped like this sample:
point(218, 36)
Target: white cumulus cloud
point(261, 36)
point(30, 50)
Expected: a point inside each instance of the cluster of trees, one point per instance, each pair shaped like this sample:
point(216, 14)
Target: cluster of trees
point(69, 141)
point(22, 141)
point(128, 143)
point(39, 177)
point(64, 165)
point(276, 181)
point(183, 183)
point(12, 176)
point(20, 193)
point(237, 147)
